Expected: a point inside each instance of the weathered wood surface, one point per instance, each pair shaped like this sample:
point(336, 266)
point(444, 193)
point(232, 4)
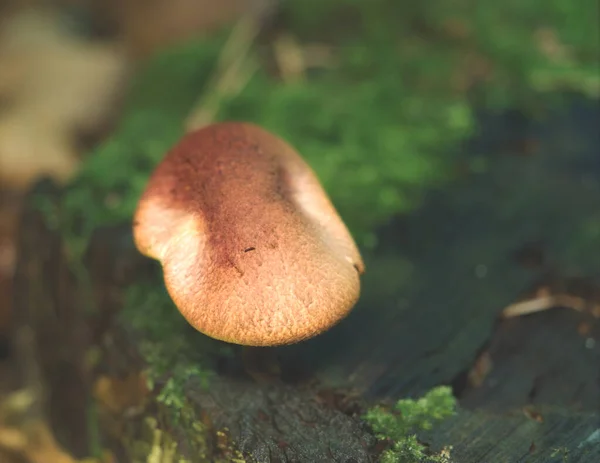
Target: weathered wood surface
point(510, 437)
point(432, 295)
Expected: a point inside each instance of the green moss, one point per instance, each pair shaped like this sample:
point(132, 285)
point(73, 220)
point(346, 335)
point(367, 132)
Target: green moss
point(174, 352)
point(175, 355)
point(383, 124)
point(401, 424)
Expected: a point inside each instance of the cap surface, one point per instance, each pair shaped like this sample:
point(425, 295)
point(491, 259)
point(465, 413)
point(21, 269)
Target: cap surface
point(252, 249)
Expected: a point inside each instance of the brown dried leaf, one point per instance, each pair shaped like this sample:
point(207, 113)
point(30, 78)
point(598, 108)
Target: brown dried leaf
point(55, 85)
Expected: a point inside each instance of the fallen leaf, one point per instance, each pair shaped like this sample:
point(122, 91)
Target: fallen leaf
point(55, 85)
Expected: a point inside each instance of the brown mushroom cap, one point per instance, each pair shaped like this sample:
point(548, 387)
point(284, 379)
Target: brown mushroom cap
point(252, 249)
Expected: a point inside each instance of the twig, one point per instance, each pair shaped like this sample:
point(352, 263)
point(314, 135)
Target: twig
point(235, 67)
point(550, 301)
point(290, 59)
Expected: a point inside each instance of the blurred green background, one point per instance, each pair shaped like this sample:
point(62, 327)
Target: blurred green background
point(383, 118)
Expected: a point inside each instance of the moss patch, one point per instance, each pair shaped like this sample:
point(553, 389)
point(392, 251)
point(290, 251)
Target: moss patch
point(382, 123)
point(174, 352)
point(407, 417)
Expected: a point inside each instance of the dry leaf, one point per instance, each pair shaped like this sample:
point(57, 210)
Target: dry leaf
point(54, 85)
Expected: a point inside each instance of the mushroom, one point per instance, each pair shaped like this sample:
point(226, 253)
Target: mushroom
point(253, 251)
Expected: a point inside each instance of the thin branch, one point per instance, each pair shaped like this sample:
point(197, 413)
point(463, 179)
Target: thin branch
point(235, 68)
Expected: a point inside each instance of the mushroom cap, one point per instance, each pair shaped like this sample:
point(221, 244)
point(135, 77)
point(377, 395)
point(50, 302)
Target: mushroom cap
point(252, 249)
